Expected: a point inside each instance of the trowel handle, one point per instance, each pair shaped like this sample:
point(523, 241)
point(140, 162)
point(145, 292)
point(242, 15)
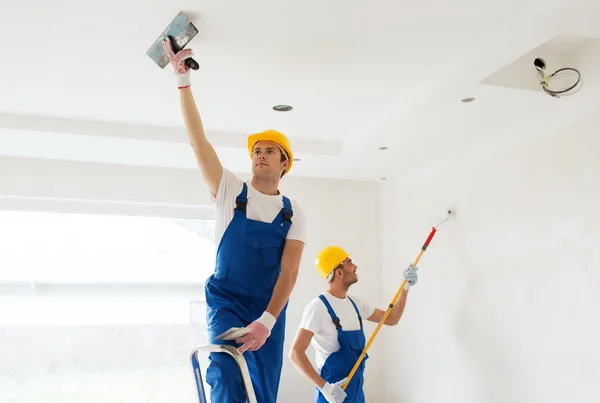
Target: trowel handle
point(192, 64)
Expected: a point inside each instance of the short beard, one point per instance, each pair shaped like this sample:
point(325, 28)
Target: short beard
point(348, 283)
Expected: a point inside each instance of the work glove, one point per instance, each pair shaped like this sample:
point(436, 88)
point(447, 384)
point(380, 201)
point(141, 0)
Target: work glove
point(259, 331)
point(410, 275)
point(182, 70)
point(334, 392)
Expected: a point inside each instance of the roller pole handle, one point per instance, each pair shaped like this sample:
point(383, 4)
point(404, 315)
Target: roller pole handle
point(388, 310)
point(381, 322)
point(430, 237)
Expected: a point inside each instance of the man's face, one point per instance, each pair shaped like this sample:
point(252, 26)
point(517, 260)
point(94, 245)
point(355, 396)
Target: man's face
point(347, 272)
point(266, 160)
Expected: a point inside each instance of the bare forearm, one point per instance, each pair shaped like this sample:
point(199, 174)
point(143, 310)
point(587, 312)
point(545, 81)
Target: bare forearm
point(282, 291)
point(303, 365)
point(206, 156)
point(398, 309)
point(191, 116)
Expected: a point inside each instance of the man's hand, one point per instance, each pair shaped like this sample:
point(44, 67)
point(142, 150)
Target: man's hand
point(334, 392)
point(410, 275)
point(260, 330)
point(178, 62)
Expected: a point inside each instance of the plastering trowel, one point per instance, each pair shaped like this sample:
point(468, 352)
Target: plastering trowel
point(181, 31)
point(234, 333)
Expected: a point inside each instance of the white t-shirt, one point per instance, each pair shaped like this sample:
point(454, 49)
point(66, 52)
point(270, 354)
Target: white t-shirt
point(316, 319)
point(260, 207)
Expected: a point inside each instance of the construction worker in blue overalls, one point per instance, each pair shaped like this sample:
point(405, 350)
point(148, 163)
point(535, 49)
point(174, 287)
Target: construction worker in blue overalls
point(260, 237)
point(333, 323)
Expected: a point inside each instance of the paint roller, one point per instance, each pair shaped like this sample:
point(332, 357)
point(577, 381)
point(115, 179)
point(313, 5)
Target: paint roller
point(391, 305)
point(180, 31)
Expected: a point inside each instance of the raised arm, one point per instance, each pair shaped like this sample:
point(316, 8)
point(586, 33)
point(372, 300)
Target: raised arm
point(411, 277)
point(206, 156)
point(395, 314)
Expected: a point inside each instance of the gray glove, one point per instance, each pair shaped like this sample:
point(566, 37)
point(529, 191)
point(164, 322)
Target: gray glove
point(334, 392)
point(411, 277)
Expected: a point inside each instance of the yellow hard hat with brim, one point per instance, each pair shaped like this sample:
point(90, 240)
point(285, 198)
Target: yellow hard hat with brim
point(277, 138)
point(329, 258)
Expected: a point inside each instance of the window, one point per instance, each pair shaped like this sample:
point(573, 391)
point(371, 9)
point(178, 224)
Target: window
point(101, 308)
point(59, 248)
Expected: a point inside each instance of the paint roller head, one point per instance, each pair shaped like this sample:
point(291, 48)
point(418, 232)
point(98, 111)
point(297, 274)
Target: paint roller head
point(449, 214)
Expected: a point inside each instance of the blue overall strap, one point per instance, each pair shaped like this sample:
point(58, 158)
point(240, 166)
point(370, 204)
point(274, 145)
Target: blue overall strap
point(334, 317)
point(241, 200)
point(357, 312)
point(287, 213)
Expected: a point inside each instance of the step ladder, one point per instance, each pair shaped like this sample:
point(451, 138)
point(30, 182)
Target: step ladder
point(224, 349)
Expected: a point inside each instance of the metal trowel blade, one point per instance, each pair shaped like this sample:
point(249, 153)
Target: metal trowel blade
point(181, 31)
point(234, 333)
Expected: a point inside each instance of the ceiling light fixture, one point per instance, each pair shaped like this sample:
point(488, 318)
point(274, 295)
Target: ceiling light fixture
point(282, 108)
point(383, 148)
point(467, 100)
point(296, 159)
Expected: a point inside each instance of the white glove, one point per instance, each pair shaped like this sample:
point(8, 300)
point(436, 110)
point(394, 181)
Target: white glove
point(334, 392)
point(182, 70)
point(258, 332)
point(410, 275)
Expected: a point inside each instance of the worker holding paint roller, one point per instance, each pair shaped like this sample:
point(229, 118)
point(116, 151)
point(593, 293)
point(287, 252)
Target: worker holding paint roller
point(333, 323)
point(260, 236)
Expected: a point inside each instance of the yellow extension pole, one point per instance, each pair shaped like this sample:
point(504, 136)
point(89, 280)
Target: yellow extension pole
point(391, 305)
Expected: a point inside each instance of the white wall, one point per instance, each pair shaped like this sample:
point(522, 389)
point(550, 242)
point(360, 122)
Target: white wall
point(340, 212)
point(506, 309)
point(343, 213)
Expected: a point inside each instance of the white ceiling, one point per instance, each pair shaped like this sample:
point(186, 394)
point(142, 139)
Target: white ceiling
point(76, 84)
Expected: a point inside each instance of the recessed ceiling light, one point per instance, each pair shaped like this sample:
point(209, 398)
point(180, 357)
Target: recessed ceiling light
point(296, 159)
point(383, 148)
point(383, 179)
point(282, 108)
point(467, 100)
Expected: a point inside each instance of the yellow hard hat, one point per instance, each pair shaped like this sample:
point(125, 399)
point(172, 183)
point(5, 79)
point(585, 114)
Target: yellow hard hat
point(277, 138)
point(329, 258)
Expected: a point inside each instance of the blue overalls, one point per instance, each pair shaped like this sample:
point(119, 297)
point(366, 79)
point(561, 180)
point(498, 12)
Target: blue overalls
point(339, 364)
point(247, 266)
